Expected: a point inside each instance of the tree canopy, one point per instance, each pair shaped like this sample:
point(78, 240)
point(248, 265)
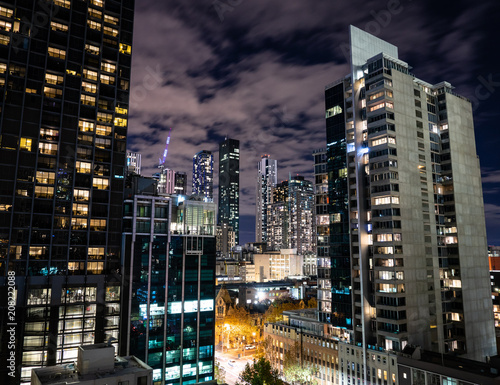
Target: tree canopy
point(259, 373)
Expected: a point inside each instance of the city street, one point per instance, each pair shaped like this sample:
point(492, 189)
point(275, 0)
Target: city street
point(233, 365)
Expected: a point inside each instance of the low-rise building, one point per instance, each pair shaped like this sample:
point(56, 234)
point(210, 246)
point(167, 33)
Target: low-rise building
point(95, 365)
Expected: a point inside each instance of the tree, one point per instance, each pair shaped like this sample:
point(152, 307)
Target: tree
point(219, 373)
point(259, 373)
point(312, 303)
point(238, 325)
point(293, 370)
point(275, 312)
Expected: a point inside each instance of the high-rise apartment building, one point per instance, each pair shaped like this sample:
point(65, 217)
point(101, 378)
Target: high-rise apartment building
point(65, 76)
point(203, 175)
point(290, 216)
point(229, 185)
point(134, 162)
point(171, 182)
point(322, 226)
point(169, 290)
point(407, 231)
point(267, 178)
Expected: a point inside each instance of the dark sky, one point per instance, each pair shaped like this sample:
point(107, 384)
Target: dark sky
point(256, 70)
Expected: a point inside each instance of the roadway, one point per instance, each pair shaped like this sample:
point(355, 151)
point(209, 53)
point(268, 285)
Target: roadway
point(233, 369)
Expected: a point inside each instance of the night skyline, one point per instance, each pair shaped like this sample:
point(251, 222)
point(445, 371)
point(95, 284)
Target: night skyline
point(256, 72)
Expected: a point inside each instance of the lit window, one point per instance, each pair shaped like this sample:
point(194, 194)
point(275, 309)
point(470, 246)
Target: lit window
point(98, 225)
point(78, 223)
point(25, 144)
point(125, 48)
point(106, 79)
point(111, 19)
point(80, 209)
point(102, 143)
point(110, 31)
point(44, 192)
point(52, 92)
point(120, 122)
point(83, 167)
point(103, 130)
point(57, 53)
point(4, 40)
point(47, 148)
point(7, 12)
point(108, 67)
point(92, 75)
point(333, 111)
point(95, 13)
point(81, 195)
point(98, 3)
point(45, 177)
point(86, 126)
point(94, 25)
point(63, 3)
point(103, 117)
point(385, 200)
point(58, 26)
point(93, 49)
point(100, 183)
point(121, 111)
point(87, 100)
point(3, 68)
point(5, 26)
point(53, 79)
point(89, 87)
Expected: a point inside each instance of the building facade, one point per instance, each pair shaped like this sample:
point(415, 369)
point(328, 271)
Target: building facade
point(63, 156)
point(229, 185)
point(407, 229)
point(267, 178)
point(169, 317)
point(134, 162)
point(203, 175)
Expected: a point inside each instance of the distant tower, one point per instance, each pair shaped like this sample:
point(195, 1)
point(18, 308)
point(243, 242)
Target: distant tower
point(267, 178)
point(203, 175)
point(229, 184)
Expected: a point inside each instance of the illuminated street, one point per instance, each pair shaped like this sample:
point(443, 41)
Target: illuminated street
point(233, 370)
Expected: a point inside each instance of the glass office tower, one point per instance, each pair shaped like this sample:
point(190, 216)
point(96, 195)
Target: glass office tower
point(203, 175)
point(169, 287)
point(64, 80)
point(267, 178)
point(229, 185)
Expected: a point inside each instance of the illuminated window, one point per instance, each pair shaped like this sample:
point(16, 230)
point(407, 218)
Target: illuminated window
point(87, 100)
point(54, 79)
point(96, 252)
point(25, 144)
point(52, 92)
point(89, 87)
point(4, 207)
point(94, 25)
point(125, 48)
point(95, 13)
point(120, 122)
point(4, 40)
point(98, 225)
point(78, 223)
point(385, 200)
point(121, 111)
point(83, 167)
point(81, 195)
point(110, 31)
point(86, 126)
point(98, 3)
point(71, 72)
point(103, 143)
point(92, 49)
point(80, 209)
point(100, 183)
point(108, 67)
point(44, 192)
point(45, 177)
point(7, 12)
point(5, 26)
point(47, 148)
point(95, 267)
point(57, 53)
point(3, 68)
point(91, 75)
point(333, 111)
point(110, 19)
point(103, 117)
point(106, 79)
point(343, 173)
point(63, 3)
point(58, 26)
point(87, 140)
point(103, 130)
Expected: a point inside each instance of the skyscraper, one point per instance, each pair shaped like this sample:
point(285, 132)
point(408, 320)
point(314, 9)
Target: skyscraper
point(65, 67)
point(229, 185)
point(203, 175)
point(407, 229)
point(134, 162)
point(267, 178)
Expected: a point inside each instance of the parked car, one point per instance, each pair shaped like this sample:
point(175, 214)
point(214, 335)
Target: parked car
point(248, 347)
point(232, 362)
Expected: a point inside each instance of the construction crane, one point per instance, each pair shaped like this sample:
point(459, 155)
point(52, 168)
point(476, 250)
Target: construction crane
point(165, 152)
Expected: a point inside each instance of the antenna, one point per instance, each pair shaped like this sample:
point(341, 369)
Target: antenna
point(162, 160)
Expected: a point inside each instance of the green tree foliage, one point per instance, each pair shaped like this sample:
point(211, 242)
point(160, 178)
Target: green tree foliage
point(259, 373)
point(294, 372)
point(219, 373)
point(238, 327)
point(275, 311)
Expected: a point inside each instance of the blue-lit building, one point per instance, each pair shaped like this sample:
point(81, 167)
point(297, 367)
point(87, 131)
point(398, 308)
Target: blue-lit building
point(169, 287)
